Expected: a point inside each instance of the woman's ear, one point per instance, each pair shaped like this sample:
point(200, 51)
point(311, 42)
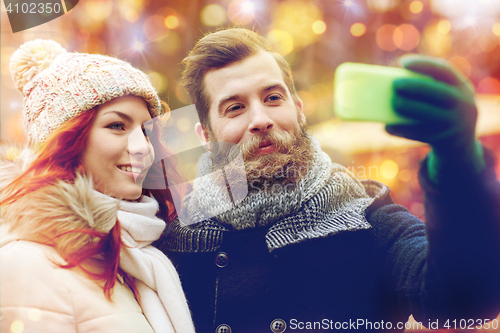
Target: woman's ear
point(202, 135)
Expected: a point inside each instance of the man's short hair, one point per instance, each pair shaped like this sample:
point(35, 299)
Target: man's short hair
point(220, 49)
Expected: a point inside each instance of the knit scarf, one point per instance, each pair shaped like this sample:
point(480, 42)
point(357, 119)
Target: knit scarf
point(162, 298)
point(326, 201)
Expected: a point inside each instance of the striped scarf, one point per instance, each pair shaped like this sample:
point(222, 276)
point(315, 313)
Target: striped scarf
point(327, 201)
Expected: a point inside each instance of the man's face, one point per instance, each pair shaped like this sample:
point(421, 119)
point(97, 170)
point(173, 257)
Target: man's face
point(248, 100)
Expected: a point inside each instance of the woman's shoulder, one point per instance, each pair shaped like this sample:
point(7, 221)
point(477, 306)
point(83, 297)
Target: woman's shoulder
point(34, 283)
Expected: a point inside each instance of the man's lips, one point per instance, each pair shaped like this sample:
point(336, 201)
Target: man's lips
point(265, 147)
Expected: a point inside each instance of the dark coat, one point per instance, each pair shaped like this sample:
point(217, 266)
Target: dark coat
point(366, 280)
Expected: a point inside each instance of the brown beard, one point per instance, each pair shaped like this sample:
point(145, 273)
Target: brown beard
point(286, 165)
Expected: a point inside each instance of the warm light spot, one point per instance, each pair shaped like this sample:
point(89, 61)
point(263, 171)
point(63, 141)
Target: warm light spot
point(444, 26)
point(281, 41)
point(240, 12)
point(405, 175)
point(17, 327)
point(158, 81)
point(487, 43)
point(470, 20)
point(35, 314)
point(138, 46)
point(496, 29)
point(434, 42)
point(358, 29)
point(417, 209)
point(182, 94)
point(488, 85)
point(406, 37)
point(389, 169)
point(308, 101)
point(213, 15)
point(382, 5)
point(385, 38)
point(12, 153)
point(416, 7)
point(462, 64)
point(319, 27)
point(171, 22)
point(98, 10)
point(183, 124)
point(131, 16)
point(348, 3)
point(154, 27)
point(170, 44)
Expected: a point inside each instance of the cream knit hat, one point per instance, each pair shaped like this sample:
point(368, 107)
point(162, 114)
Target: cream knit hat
point(59, 85)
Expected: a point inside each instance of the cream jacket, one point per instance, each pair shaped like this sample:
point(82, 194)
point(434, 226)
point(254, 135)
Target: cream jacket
point(37, 295)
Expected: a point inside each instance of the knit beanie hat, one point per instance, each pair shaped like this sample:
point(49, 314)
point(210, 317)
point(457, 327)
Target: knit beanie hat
point(59, 85)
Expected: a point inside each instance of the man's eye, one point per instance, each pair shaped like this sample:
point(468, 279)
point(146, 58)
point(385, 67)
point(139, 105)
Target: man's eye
point(116, 126)
point(236, 107)
point(274, 97)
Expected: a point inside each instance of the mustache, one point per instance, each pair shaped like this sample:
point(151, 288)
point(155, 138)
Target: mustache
point(282, 141)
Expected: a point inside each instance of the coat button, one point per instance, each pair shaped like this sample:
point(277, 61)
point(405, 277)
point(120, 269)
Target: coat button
point(221, 259)
point(223, 328)
point(278, 326)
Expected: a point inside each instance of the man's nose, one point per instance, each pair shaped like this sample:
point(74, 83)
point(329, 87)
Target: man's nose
point(260, 122)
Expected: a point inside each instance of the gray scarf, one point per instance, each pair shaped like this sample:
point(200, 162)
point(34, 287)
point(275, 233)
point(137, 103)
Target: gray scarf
point(328, 200)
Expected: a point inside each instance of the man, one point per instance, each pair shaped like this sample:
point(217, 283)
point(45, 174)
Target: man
point(313, 248)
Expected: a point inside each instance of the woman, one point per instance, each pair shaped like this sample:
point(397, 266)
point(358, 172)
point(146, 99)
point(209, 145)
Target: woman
point(76, 222)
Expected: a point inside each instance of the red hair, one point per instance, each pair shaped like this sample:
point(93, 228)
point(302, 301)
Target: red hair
point(51, 166)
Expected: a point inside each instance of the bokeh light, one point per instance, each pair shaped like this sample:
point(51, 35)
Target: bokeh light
point(170, 44)
point(384, 37)
point(17, 327)
point(171, 22)
point(241, 12)
point(406, 37)
point(487, 43)
point(213, 15)
point(35, 314)
point(404, 175)
point(496, 29)
point(389, 169)
point(417, 209)
point(382, 5)
point(319, 27)
point(137, 46)
point(434, 42)
point(98, 10)
point(154, 27)
point(444, 26)
point(296, 19)
point(489, 85)
point(184, 125)
point(159, 81)
point(281, 41)
point(416, 7)
point(358, 29)
point(308, 101)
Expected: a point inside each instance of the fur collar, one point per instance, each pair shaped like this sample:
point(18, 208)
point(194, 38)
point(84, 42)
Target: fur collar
point(53, 210)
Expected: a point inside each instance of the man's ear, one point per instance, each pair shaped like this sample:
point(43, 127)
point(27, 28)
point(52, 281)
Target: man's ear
point(300, 112)
point(202, 135)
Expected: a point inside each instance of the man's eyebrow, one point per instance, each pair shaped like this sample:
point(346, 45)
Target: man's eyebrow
point(274, 86)
point(120, 114)
point(227, 99)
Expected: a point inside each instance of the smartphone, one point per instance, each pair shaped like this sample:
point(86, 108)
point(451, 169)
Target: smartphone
point(364, 92)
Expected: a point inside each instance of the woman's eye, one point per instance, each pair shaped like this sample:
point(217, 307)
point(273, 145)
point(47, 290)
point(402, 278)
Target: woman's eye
point(147, 131)
point(116, 126)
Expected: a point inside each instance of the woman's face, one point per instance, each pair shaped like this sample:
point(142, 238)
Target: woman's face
point(117, 154)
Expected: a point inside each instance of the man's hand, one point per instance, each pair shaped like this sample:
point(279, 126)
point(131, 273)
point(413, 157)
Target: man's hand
point(444, 110)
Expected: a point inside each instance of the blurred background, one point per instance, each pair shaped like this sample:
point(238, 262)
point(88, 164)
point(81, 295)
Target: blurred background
point(315, 37)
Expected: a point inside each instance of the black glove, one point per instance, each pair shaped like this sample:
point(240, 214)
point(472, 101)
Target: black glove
point(444, 111)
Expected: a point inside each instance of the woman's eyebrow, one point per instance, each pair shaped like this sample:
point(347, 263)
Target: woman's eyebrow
point(120, 114)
